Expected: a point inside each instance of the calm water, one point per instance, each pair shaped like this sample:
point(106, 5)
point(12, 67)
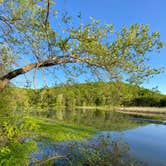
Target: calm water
point(146, 142)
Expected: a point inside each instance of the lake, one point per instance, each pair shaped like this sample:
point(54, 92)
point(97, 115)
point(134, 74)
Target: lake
point(144, 143)
point(147, 143)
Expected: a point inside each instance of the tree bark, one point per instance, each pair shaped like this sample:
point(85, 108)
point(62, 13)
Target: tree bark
point(3, 83)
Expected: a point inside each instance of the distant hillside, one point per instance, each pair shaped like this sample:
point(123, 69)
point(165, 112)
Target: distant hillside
point(98, 94)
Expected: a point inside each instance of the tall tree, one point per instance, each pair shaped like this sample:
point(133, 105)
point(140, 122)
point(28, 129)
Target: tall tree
point(30, 30)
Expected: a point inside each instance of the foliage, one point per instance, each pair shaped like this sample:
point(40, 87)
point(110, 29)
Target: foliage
point(19, 105)
point(16, 153)
point(33, 32)
point(17, 124)
point(89, 94)
point(98, 94)
point(29, 33)
point(15, 149)
point(15, 127)
point(147, 97)
point(13, 99)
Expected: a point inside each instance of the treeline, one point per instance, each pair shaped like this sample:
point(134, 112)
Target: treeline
point(88, 94)
point(97, 94)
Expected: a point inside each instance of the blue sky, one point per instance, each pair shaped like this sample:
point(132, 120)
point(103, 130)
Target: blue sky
point(126, 12)
point(120, 12)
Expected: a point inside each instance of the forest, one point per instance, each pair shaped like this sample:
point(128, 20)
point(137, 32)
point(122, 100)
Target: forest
point(87, 94)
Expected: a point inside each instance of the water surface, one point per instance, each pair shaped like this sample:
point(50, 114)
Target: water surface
point(146, 142)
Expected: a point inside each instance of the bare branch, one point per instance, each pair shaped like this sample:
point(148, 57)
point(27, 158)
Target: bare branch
point(48, 12)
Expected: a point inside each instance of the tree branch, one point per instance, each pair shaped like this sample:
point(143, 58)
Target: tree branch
point(47, 63)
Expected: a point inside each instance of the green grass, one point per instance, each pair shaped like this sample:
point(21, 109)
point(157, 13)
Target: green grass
point(60, 131)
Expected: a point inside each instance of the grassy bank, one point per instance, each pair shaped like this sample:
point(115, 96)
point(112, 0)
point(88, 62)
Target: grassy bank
point(60, 131)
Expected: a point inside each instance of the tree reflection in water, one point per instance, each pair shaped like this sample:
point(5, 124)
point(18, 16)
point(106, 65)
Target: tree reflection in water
point(100, 150)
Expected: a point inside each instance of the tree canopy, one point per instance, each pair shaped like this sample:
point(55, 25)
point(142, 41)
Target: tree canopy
point(34, 36)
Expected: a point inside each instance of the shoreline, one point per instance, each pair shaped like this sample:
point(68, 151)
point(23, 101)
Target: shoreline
point(140, 111)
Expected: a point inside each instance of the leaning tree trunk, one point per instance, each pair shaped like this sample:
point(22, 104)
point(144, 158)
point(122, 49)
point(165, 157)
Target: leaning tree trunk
point(4, 80)
point(3, 83)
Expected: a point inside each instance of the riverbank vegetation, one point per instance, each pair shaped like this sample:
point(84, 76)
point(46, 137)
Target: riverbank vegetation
point(23, 123)
point(54, 114)
point(92, 94)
